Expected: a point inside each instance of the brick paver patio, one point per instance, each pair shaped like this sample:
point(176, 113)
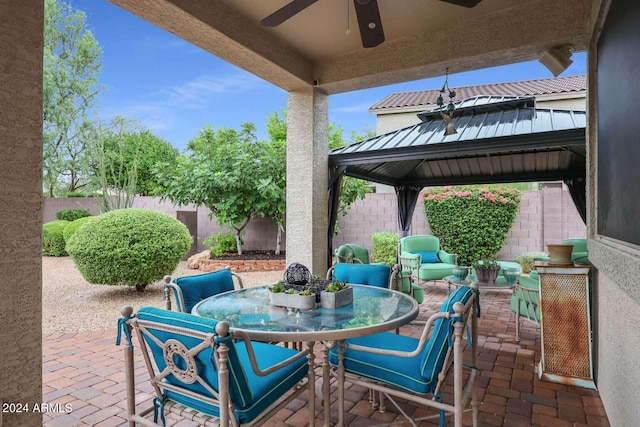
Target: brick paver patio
point(85, 372)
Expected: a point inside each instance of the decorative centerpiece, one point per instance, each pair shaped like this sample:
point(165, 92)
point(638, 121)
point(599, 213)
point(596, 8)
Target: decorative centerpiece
point(280, 295)
point(487, 270)
point(560, 254)
point(460, 272)
point(337, 294)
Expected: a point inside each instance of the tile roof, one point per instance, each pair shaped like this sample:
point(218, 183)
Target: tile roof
point(521, 88)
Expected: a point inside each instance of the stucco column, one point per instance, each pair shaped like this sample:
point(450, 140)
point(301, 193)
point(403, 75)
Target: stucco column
point(307, 179)
point(21, 34)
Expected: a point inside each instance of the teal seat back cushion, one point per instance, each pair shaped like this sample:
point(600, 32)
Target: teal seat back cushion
point(436, 348)
point(428, 257)
point(239, 391)
point(196, 288)
point(413, 244)
point(363, 274)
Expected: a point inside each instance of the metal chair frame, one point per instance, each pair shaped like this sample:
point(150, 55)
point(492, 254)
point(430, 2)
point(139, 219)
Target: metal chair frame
point(529, 299)
point(453, 361)
point(145, 328)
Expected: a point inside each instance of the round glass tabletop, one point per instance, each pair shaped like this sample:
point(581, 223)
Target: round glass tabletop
point(373, 310)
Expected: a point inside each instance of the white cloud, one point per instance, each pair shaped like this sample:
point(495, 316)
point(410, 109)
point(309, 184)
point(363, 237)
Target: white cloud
point(197, 91)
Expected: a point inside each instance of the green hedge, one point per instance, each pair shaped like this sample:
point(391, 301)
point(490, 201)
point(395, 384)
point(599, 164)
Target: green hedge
point(72, 214)
point(471, 221)
point(385, 247)
point(53, 238)
point(72, 227)
point(131, 247)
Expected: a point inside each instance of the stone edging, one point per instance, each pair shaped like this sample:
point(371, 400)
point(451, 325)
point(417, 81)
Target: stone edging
point(240, 266)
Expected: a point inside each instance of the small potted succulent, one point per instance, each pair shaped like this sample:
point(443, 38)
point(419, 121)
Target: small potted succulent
point(282, 295)
point(337, 294)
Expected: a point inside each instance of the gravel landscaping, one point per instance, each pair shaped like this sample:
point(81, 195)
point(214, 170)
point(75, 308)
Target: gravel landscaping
point(71, 304)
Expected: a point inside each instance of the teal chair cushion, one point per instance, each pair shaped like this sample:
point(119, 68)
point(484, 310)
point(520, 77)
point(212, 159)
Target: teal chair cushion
point(250, 393)
point(417, 374)
point(428, 257)
point(435, 271)
point(363, 274)
point(201, 286)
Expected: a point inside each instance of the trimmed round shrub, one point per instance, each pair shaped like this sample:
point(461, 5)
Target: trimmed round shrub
point(385, 247)
point(72, 214)
point(53, 238)
point(130, 247)
point(471, 221)
point(72, 227)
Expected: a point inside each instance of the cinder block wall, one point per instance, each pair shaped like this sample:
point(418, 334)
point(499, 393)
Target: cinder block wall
point(546, 216)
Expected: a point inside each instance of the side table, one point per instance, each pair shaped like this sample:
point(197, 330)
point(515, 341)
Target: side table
point(565, 325)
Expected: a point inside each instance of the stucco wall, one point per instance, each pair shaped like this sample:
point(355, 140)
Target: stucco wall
point(21, 24)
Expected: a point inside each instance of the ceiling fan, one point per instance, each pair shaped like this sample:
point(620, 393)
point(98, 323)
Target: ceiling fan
point(367, 13)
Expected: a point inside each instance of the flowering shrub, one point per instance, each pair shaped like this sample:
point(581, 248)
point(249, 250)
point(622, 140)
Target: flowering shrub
point(471, 221)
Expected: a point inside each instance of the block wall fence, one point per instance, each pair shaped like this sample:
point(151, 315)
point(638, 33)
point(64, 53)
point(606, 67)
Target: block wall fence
point(546, 216)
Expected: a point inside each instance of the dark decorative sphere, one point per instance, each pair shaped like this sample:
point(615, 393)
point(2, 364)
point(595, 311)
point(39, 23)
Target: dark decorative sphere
point(297, 274)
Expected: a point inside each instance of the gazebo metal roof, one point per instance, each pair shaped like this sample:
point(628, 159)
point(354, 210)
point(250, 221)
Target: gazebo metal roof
point(498, 139)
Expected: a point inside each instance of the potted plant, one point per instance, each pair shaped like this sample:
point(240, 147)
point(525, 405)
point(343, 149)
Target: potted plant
point(283, 296)
point(487, 269)
point(337, 294)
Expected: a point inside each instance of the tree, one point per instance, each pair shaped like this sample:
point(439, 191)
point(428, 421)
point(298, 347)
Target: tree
point(144, 150)
point(115, 164)
point(220, 171)
point(72, 62)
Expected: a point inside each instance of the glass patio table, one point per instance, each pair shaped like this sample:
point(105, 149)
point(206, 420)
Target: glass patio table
point(499, 284)
point(373, 310)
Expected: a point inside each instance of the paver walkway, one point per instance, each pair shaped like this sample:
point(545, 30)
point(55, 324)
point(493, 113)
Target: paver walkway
point(85, 372)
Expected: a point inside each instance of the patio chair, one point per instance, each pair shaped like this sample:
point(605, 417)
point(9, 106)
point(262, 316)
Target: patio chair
point(414, 369)
point(525, 301)
point(190, 290)
point(352, 253)
point(199, 364)
point(379, 275)
point(423, 258)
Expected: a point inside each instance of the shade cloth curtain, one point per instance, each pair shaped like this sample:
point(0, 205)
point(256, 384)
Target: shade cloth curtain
point(578, 190)
point(407, 197)
point(335, 180)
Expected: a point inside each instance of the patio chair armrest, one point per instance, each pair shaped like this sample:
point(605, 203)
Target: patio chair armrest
point(409, 261)
point(448, 258)
point(252, 357)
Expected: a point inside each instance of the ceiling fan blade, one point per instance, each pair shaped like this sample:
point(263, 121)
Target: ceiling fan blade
point(463, 3)
point(286, 12)
point(369, 22)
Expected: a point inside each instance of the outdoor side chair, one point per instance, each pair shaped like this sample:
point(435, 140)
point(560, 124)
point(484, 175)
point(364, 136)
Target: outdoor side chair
point(197, 363)
point(379, 275)
point(190, 290)
point(398, 366)
point(525, 302)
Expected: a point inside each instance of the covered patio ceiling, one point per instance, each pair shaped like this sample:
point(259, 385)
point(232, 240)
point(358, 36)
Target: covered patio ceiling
point(498, 140)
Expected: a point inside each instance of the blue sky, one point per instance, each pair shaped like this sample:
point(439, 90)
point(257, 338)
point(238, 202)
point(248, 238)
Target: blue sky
point(174, 88)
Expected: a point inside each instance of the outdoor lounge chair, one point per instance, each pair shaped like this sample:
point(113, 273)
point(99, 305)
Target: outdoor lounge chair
point(412, 369)
point(352, 253)
point(198, 363)
point(190, 290)
point(423, 258)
